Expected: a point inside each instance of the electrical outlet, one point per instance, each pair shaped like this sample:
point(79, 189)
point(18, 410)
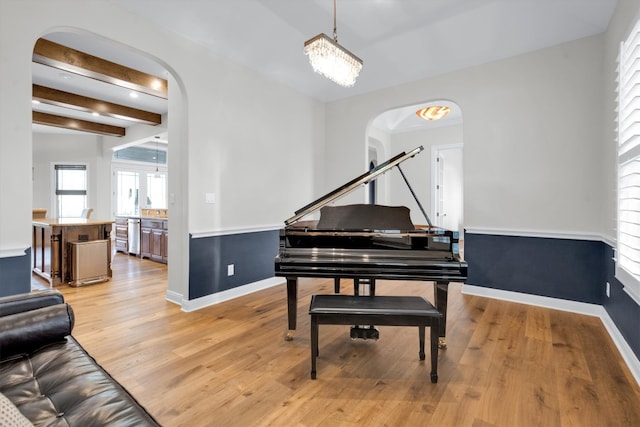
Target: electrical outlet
point(230, 270)
point(608, 290)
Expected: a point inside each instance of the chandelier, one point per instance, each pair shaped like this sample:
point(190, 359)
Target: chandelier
point(330, 59)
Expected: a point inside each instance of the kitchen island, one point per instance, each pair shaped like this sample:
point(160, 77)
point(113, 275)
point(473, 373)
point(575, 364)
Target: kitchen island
point(52, 245)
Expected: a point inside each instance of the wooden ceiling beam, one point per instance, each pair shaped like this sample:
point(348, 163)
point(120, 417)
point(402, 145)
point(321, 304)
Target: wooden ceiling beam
point(74, 61)
point(76, 124)
point(60, 98)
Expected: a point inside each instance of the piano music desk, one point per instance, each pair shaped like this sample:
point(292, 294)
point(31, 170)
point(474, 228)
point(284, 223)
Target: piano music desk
point(379, 310)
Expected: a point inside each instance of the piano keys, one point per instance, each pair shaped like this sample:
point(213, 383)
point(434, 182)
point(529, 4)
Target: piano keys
point(367, 242)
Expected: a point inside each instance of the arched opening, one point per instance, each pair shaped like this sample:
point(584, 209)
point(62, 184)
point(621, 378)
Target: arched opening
point(85, 115)
point(436, 183)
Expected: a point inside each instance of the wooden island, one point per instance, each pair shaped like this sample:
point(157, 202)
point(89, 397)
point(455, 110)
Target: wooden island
point(52, 238)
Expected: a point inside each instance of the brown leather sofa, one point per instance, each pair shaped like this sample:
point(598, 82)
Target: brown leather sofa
point(47, 375)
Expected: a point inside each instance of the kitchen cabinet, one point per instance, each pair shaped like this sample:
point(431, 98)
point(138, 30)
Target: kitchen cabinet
point(153, 239)
point(122, 235)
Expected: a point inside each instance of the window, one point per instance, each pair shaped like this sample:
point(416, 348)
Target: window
point(127, 193)
point(628, 239)
point(71, 190)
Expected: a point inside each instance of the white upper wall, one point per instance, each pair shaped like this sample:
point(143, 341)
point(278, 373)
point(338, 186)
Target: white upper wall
point(532, 137)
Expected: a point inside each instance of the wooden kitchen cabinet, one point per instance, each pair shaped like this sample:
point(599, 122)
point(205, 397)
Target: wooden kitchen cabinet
point(145, 242)
point(153, 239)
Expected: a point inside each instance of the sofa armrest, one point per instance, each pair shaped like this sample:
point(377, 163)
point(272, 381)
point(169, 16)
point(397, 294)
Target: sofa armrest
point(23, 333)
point(24, 302)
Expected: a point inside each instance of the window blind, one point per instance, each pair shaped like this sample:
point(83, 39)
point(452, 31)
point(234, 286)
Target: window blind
point(628, 141)
point(71, 180)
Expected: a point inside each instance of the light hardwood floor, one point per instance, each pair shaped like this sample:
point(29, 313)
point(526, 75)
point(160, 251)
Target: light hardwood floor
point(506, 364)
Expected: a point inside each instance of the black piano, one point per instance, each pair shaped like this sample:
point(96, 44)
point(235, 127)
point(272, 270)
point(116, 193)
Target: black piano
point(365, 242)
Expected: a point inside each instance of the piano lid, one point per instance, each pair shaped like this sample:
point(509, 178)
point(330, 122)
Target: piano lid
point(353, 184)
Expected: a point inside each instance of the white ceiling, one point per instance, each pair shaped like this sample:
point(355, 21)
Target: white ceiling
point(398, 40)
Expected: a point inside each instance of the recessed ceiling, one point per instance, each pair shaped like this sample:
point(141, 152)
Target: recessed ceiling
point(398, 40)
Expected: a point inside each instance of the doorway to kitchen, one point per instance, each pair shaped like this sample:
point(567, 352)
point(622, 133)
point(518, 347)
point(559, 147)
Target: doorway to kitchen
point(110, 118)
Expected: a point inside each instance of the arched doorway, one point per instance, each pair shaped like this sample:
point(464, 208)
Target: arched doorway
point(81, 92)
point(401, 129)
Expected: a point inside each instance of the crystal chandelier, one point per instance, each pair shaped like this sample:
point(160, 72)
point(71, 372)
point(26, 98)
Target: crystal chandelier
point(330, 59)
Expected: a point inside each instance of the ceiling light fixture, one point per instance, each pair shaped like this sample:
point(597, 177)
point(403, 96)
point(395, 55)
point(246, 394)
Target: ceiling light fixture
point(435, 112)
point(330, 59)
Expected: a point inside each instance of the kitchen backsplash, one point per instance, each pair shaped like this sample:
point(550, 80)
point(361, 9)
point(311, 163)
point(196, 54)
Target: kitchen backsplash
point(153, 213)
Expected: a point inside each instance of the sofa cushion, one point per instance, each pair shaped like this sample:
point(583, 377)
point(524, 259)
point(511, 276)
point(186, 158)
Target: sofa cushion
point(23, 333)
point(10, 415)
point(62, 385)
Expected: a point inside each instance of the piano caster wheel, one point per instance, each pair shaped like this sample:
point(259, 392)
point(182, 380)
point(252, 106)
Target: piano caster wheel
point(289, 336)
point(434, 378)
point(442, 343)
point(364, 333)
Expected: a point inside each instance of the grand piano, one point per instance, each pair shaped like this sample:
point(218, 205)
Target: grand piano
point(365, 242)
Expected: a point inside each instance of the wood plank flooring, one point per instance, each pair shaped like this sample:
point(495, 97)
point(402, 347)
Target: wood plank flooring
point(506, 364)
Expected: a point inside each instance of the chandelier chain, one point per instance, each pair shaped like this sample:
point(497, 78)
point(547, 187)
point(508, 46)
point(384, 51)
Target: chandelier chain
point(335, 26)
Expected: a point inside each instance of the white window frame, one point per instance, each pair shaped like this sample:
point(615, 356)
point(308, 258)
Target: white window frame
point(53, 173)
point(627, 269)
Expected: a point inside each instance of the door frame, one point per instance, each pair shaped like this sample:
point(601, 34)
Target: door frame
point(435, 152)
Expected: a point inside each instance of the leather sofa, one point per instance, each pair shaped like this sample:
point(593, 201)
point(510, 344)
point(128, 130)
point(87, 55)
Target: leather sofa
point(47, 378)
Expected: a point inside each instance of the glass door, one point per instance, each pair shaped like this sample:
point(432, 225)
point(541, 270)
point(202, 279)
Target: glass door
point(138, 188)
point(127, 193)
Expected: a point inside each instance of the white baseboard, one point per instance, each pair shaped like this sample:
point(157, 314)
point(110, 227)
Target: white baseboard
point(174, 297)
point(218, 297)
point(571, 306)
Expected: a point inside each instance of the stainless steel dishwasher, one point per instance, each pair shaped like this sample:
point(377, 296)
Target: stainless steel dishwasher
point(133, 231)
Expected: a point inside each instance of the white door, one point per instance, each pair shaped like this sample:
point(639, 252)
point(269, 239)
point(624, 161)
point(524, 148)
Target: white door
point(448, 187)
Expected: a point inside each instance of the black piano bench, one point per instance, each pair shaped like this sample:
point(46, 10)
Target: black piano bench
point(376, 310)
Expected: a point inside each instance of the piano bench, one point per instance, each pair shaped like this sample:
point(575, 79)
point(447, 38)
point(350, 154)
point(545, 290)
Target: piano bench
point(376, 310)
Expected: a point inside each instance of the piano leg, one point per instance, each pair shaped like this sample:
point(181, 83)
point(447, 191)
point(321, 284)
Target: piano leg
point(292, 306)
point(440, 294)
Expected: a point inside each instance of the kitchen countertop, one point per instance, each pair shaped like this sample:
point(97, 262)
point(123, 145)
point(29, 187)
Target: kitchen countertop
point(69, 221)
